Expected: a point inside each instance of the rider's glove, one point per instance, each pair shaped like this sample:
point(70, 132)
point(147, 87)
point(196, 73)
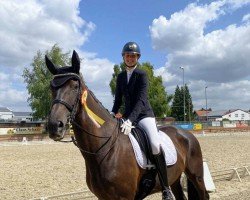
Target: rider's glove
point(126, 127)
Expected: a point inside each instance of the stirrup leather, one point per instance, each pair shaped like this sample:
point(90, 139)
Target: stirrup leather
point(167, 194)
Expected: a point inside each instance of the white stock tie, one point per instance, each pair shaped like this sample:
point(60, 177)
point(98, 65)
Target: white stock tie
point(129, 75)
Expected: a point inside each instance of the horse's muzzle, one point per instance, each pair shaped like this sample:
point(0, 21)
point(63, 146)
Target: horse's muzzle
point(56, 130)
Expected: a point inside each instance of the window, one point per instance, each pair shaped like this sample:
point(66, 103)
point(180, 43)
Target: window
point(236, 115)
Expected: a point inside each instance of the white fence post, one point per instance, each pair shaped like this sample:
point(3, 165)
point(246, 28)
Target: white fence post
point(24, 141)
point(209, 183)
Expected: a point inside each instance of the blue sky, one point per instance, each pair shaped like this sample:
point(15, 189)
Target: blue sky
point(127, 21)
point(210, 39)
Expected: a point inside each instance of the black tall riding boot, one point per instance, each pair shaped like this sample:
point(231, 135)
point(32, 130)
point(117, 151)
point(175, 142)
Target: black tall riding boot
point(162, 173)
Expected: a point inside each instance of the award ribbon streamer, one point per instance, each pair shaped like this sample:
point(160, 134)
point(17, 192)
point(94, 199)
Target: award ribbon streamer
point(88, 110)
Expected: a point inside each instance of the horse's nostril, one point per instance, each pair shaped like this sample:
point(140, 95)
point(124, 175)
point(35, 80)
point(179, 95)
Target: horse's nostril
point(60, 124)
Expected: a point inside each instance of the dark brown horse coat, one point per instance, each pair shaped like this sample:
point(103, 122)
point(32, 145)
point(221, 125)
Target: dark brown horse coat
point(111, 168)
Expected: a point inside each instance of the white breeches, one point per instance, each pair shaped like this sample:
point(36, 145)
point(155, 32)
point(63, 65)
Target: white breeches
point(148, 124)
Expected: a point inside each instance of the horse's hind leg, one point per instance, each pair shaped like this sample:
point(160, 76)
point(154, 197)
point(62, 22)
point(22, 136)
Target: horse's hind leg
point(196, 186)
point(194, 172)
point(196, 189)
point(178, 190)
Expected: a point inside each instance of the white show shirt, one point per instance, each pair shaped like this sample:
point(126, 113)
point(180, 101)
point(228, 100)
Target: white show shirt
point(129, 72)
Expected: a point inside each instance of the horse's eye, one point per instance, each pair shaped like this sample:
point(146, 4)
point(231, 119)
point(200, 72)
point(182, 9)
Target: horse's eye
point(76, 87)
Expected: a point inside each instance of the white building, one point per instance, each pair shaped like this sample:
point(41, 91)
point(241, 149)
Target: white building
point(22, 116)
point(237, 115)
point(5, 114)
point(8, 115)
point(231, 115)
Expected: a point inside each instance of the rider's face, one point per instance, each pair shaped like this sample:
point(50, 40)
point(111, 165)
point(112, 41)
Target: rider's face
point(130, 59)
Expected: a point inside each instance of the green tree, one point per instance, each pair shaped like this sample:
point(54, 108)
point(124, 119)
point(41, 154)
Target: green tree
point(178, 104)
point(112, 84)
point(188, 105)
point(37, 79)
point(158, 97)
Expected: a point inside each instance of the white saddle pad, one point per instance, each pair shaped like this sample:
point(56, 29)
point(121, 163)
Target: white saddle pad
point(167, 146)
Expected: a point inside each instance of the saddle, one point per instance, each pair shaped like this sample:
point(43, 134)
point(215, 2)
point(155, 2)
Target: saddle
point(141, 145)
point(144, 143)
point(148, 181)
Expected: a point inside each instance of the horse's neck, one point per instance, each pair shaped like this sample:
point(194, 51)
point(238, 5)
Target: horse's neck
point(94, 119)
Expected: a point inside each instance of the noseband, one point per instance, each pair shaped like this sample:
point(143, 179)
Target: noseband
point(58, 81)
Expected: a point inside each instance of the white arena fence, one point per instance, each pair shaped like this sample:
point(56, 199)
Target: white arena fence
point(221, 134)
point(24, 142)
point(229, 174)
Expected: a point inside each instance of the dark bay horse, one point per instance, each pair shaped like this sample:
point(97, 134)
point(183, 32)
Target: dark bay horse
point(112, 172)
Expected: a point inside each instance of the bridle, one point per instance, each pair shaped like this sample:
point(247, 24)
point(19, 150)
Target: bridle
point(58, 81)
point(62, 79)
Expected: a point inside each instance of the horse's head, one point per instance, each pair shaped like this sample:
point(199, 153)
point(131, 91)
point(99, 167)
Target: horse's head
point(66, 90)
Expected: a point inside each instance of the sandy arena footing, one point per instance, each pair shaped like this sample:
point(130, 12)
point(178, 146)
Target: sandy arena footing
point(40, 169)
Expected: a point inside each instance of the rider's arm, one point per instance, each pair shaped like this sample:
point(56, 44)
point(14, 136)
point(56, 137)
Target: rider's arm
point(118, 95)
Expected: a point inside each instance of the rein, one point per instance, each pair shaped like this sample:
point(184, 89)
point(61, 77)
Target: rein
point(98, 152)
point(73, 109)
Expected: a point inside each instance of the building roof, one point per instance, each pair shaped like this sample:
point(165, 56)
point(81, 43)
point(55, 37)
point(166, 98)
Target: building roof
point(233, 110)
point(16, 114)
point(201, 113)
point(220, 113)
point(217, 113)
point(5, 109)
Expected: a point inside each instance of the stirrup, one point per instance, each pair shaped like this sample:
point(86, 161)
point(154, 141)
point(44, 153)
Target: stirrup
point(167, 194)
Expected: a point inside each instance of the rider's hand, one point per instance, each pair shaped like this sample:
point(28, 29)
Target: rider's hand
point(118, 115)
point(113, 114)
point(126, 127)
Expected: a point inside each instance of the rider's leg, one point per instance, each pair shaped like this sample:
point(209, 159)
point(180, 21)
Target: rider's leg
point(149, 125)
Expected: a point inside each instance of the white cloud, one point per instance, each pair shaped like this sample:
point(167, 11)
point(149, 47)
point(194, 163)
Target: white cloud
point(97, 73)
point(37, 25)
point(162, 71)
point(231, 94)
point(4, 78)
point(220, 96)
point(219, 57)
point(205, 55)
point(235, 4)
point(219, 52)
point(246, 18)
point(14, 98)
point(184, 28)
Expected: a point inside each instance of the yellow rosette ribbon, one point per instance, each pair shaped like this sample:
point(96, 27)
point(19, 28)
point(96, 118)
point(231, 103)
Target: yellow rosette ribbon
point(88, 110)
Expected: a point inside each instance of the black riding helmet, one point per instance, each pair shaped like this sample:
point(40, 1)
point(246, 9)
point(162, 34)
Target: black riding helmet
point(131, 47)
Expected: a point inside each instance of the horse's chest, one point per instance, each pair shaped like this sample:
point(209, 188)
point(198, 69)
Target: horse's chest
point(107, 184)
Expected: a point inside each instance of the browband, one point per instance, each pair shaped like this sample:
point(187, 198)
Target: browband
point(60, 79)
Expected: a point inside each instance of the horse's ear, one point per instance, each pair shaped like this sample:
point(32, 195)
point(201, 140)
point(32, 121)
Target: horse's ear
point(52, 68)
point(75, 62)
